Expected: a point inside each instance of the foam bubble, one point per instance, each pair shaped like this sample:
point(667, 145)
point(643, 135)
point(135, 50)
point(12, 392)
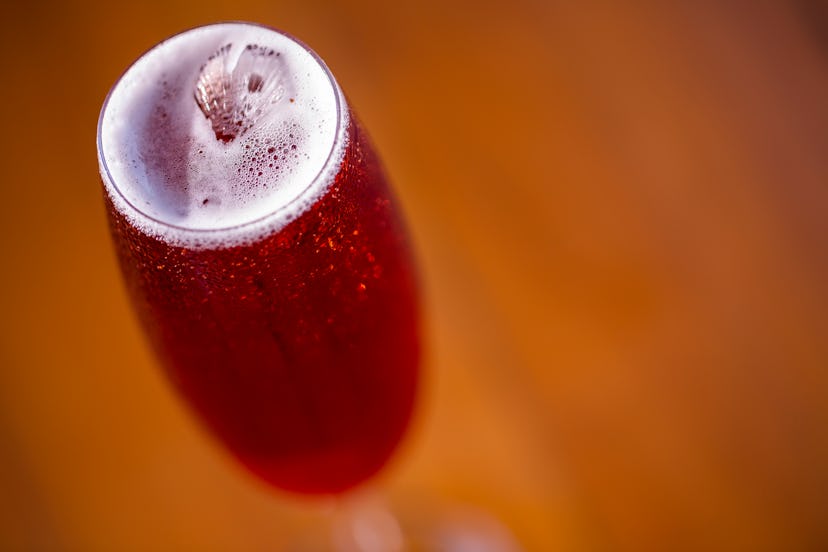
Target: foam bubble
point(221, 134)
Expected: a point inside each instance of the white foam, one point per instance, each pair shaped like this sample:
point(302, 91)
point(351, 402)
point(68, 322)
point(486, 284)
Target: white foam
point(173, 172)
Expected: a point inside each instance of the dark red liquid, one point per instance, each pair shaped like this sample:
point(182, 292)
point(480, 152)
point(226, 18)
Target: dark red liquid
point(300, 351)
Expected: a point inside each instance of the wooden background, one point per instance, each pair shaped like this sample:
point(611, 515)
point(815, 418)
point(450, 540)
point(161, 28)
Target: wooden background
point(621, 217)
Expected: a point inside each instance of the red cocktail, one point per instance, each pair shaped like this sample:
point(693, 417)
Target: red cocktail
point(263, 253)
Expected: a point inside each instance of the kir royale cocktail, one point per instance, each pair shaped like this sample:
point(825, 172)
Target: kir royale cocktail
point(263, 253)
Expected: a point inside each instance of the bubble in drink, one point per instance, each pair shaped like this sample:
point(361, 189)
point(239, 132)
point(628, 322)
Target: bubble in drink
point(263, 253)
point(234, 99)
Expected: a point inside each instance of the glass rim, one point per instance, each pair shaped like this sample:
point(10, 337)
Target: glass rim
point(340, 107)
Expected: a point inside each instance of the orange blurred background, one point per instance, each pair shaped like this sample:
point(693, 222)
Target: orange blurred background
point(621, 217)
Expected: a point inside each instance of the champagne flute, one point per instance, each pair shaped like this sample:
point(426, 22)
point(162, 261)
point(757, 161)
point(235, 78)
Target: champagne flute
point(263, 253)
